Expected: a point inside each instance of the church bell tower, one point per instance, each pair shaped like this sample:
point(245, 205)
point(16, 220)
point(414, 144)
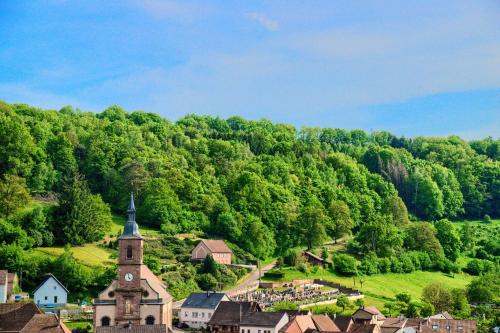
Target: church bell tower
point(130, 256)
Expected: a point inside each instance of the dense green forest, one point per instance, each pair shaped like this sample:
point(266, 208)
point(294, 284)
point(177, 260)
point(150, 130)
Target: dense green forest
point(266, 187)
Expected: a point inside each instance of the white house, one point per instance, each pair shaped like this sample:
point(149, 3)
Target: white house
point(263, 322)
point(50, 292)
point(198, 308)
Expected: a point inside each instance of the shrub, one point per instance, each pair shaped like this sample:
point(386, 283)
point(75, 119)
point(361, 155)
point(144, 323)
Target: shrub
point(396, 266)
point(369, 264)
point(479, 266)
point(384, 265)
point(406, 263)
point(304, 268)
point(486, 218)
point(274, 274)
point(345, 264)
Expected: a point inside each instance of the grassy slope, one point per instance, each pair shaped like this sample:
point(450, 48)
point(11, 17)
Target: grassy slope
point(93, 254)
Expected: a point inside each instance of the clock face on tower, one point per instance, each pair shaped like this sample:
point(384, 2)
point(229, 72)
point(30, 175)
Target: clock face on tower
point(129, 277)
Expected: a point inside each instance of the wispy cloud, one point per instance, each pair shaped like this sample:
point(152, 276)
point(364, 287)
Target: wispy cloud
point(266, 22)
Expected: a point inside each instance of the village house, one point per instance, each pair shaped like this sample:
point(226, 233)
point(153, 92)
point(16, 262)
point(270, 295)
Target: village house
point(28, 318)
point(311, 323)
point(198, 308)
point(8, 283)
point(215, 248)
point(227, 316)
point(263, 322)
point(50, 292)
point(137, 301)
point(370, 320)
point(368, 315)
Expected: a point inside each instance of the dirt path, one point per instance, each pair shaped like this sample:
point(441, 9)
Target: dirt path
point(242, 286)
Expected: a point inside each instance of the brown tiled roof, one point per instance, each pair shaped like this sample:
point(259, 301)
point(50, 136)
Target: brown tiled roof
point(325, 324)
point(364, 328)
point(216, 246)
point(305, 323)
point(264, 319)
point(45, 323)
point(343, 322)
point(155, 283)
point(448, 326)
point(3, 277)
point(158, 328)
point(229, 313)
point(291, 327)
point(14, 316)
point(374, 311)
point(394, 322)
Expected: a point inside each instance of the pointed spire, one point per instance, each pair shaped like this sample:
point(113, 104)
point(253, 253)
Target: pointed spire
point(131, 228)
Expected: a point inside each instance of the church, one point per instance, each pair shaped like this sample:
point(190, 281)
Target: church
point(137, 300)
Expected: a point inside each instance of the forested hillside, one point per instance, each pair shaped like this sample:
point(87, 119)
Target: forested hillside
point(264, 186)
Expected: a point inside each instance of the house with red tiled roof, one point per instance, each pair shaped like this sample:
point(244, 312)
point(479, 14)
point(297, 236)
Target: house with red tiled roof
point(213, 247)
point(368, 315)
point(28, 318)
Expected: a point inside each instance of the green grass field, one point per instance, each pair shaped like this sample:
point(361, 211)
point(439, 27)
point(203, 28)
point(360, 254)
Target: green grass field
point(383, 287)
point(89, 254)
point(78, 324)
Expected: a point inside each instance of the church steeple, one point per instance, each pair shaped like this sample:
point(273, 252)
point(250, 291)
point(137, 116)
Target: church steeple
point(131, 229)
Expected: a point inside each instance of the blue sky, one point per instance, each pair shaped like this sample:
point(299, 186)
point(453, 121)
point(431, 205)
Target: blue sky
point(410, 67)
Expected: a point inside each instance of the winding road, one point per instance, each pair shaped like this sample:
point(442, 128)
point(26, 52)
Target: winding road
point(246, 283)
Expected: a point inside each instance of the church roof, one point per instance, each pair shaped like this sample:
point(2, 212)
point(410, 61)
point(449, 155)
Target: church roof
point(155, 283)
point(158, 328)
point(131, 229)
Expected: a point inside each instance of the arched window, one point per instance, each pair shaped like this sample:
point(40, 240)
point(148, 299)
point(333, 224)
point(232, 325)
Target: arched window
point(129, 252)
point(105, 321)
point(150, 320)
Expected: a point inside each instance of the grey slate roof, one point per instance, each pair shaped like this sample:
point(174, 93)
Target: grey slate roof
point(203, 300)
point(264, 319)
point(158, 328)
point(131, 229)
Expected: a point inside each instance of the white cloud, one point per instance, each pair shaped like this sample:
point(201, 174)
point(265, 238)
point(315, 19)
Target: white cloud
point(269, 24)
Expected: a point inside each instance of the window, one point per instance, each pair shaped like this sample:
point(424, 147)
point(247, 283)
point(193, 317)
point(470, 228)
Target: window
point(105, 321)
point(46, 297)
point(195, 314)
point(145, 293)
point(435, 327)
point(460, 327)
point(203, 315)
point(258, 331)
point(129, 252)
point(209, 315)
point(242, 330)
point(111, 294)
point(55, 287)
point(447, 327)
point(185, 314)
point(150, 320)
point(55, 299)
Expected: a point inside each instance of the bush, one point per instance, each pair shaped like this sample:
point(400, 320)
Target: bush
point(274, 274)
point(304, 268)
point(486, 218)
point(479, 266)
point(293, 257)
point(384, 265)
point(369, 264)
point(345, 264)
point(396, 266)
point(406, 263)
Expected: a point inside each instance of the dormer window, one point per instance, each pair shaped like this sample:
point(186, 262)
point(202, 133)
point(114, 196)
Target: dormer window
point(129, 252)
